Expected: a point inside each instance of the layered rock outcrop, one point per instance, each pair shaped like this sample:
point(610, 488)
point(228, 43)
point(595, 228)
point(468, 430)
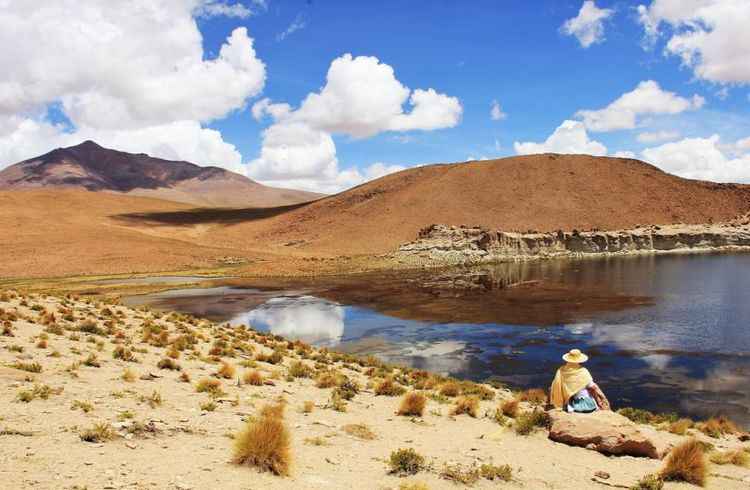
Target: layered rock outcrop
point(461, 245)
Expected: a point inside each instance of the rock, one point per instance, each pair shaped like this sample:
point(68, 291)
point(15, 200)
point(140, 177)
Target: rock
point(609, 433)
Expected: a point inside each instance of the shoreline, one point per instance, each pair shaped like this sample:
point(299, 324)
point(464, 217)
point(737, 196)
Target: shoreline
point(155, 415)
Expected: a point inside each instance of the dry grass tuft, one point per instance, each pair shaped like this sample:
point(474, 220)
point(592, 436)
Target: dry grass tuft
point(466, 404)
point(718, 426)
point(412, 404)
point(100, 432)
point(265, 443)
point(417, 485)
point(534, 396)
point(450, 388)
point(168, 363)
point(299, 369)
point(208, 385)
point(360, 431)
point(253, 378)
point(388, 387)
point(527, 422)
point(128, 376)
point(226, 371)
point(405, 462)
point(649, 482)
point(31, 367)
point(680, 427)
point(737, 457)
point(308, 407)
point(686, 462)
point(509, 408)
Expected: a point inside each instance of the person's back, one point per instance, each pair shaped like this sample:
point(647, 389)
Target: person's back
point(573, 388)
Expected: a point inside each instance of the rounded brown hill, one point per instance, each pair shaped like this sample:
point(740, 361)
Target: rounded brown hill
point(538, 192)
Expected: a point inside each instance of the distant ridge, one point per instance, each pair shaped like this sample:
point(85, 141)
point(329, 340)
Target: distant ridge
point(95, 168)
point(544, 192)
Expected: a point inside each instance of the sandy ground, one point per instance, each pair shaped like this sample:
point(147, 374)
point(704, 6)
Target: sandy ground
point(191, 448)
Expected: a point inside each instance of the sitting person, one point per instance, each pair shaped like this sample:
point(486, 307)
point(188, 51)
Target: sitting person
point(573, 388)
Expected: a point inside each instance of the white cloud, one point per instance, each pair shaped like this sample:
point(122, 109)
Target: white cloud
point(657, 136)
point(129, 75)
point(624, 154)
point(297, 24)
point(700, 158)
point(361, 98)
point(588, 25)
point(496, 112)
point(710, 36)
point(215, 8)
point(647, 98)
point(569, 137)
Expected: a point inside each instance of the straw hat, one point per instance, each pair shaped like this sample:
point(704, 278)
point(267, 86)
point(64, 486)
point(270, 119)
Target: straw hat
point(575, 356)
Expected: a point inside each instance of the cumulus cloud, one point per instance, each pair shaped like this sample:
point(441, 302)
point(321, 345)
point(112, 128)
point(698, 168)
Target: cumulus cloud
point(123, 72)
point(700, 158)
point(648, 98)
point(657, 136)
point(709, 36)
point(361, 98)
point(496, 112)
point(588, 25)
point(569, 137)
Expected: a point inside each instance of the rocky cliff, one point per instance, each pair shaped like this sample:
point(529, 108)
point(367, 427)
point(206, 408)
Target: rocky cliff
point(447, 245)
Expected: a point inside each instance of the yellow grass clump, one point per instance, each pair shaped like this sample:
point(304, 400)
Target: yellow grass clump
point(466, 404)
point(737, 457)
point(534, 396)
point(253, 378)
point(686, 462)
point(412, 404)
point(718, 426)
point(265, 443)
point(226, 371)
point(509, 407)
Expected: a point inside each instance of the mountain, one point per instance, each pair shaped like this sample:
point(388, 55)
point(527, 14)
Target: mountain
point(95, 168)
point(543, 192)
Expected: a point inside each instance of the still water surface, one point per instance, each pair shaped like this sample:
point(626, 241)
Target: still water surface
point(666, 333)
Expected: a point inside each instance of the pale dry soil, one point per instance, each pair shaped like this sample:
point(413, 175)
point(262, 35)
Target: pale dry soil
point(190, 448)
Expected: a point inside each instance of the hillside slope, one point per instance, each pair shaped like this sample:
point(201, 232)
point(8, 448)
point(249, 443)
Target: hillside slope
point(538, 192)
point(95, 168)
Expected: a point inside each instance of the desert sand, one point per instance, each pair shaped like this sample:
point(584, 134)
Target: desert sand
point(165, 434)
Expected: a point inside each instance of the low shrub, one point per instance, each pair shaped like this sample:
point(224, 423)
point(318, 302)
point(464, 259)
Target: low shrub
point(527, 422)
point(468, 405)
point(264, 443)
point(388, 387)
point(404, 462)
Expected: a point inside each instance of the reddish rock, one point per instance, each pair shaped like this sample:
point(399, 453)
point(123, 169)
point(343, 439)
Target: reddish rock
point(609, 433)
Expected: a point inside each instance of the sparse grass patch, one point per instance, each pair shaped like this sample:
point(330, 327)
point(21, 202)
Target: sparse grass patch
point(226, 371)
point(457, 473)
point(92, 361)
point(491, 472)
point(360, 431)
point(527, 422)
point(404, 462)
point(534, 396)
point(468, 405)
point(388, 387)
point(264, 443)
point(100, 432)
point(718, 426)
point(412, 404)
point(316, 441)
point(680, 427)
point(208, 406)
point(737, 457)
point(84, 406)
point(128, 375)
point(649, 482)
point(208, 385)
point(31, 367)
point(185, 377)
point(168, 363)
point(418, 485)
point(124, 354)
point(686, 462)
point(308, 407)
point(154, 399)
point(299, 369)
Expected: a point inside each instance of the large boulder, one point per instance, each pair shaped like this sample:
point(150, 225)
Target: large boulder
point(609, 433)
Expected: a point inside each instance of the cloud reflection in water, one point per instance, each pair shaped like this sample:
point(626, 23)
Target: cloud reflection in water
point(306, 318)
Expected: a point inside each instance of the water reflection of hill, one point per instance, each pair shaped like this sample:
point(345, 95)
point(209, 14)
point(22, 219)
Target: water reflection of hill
point(528, 294)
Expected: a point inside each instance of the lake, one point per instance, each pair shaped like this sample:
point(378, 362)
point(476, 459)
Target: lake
point(667, 333)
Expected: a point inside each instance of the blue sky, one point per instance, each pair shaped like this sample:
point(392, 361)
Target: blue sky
point(515, 53)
